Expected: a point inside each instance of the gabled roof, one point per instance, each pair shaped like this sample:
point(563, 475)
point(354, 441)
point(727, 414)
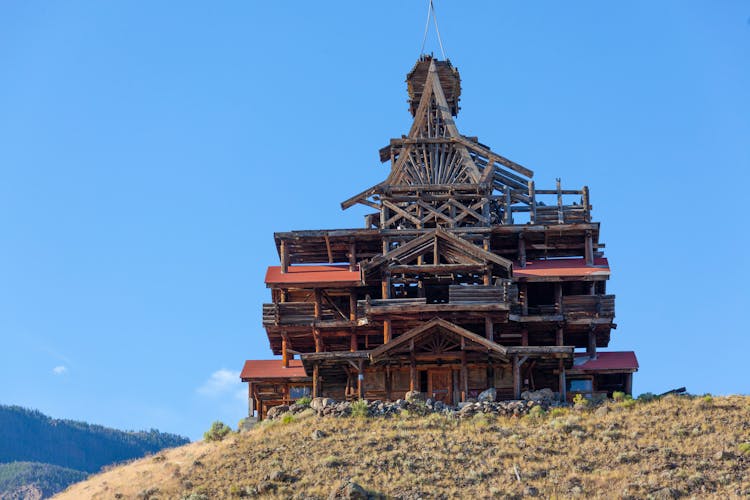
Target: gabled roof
point(454, 248)
point(427, 328)
point(258, 369)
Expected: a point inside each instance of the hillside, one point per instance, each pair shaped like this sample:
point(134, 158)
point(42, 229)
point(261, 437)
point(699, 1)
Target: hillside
point(30, 436)
point(40, 456)
point(31, 480)
point(668, 448)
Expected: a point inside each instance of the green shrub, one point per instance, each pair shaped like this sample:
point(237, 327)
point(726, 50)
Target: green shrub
point(744, 448)
point(305, 401)
point(537, 412)
point(581, 401)
point(618, 396)
point(287, 418)
point(217, 432)
point(647, 397)
point(557, 412)
point(627, 403)
point(360, 409)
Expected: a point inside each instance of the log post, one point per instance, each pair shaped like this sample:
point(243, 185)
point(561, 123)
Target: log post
point(388, 383)
point(353, 305)
point(522, 249)
point(591, 346)
point(489, 328)
point(524, 336)
point(524, 289)
point(558, 298)
point(562, 382)
point(317, 339)
point(352, 255)
point(284, 353)
point(559, 335)
point(516, 378)
point(532, 197)
point(589, 248)
point(412, 371)
point(387, 332)
point(629, 383)
point(317, 296)
point(284, 251)
point(316, 381)
point(586, 202)
point(360, 380)
point(464, 377)
point(487, 276)
point(250, 400)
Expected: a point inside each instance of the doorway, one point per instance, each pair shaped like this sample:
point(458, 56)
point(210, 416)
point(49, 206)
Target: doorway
point(440, 386)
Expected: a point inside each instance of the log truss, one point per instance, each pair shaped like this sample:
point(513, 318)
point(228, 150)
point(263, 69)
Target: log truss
point(439, 177)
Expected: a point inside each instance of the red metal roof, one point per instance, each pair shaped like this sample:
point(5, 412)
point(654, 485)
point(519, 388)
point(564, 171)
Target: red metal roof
point(271, 368)
point(609, 360)
point(312, 274)
point(561, 267)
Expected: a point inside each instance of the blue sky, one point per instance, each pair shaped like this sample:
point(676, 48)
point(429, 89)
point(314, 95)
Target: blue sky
point(149, 150)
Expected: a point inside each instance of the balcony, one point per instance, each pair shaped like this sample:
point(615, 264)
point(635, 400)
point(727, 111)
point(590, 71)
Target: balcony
point(299, 313)
point(589, 306)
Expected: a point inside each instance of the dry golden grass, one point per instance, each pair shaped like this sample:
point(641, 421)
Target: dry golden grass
point(673, 447)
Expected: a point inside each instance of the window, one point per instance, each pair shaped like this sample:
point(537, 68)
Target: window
point(580, 385)
point(299, 391)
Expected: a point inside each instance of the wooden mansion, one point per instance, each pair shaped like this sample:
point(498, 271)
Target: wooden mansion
point(464, 277)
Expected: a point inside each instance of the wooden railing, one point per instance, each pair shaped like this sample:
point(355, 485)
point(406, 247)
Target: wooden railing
point(296, 313)
point(589, 306)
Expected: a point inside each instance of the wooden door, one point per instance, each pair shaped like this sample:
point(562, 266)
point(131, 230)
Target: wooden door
point(440, 386)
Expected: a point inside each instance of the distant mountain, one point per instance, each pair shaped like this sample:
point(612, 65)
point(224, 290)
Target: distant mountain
point(32, 480)
point(48, 454)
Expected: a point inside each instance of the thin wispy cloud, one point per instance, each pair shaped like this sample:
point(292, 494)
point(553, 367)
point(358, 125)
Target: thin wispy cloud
point(60, 370)
point(221, 382)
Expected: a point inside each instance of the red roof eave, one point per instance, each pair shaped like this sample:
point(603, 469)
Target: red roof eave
point(561, 268)
point(331, 275)
point(271, 369)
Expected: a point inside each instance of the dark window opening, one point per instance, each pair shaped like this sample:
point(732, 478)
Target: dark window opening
point(436, 294)
point(422, 381)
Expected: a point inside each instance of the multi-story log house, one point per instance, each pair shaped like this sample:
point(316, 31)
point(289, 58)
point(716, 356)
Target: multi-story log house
point(465, 277)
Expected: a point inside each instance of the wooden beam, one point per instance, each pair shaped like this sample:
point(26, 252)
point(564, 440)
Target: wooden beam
point(489, 328)
point(328, 249)
point(589, 249)
point(522, 249)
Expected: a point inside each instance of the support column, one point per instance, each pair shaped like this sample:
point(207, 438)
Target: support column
point(284, 353)
point(318, 340)
point(352, 255)
point(284, 251)
point(353, 304)
point(558, 298)
point(250, 400)
point(489, 328)
point(629, 383)
point(388, 383)
point(412, 372)
point(524, 289)
point(353, 344)
point(316, 381)
point(464, 377)
point(360, 380)
point(563, 381)
point(559, 335)
point(524, 336)
point(591, 346)
point(516, 378)
point(522, 249)
point(387, 332)
point(589, 249)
